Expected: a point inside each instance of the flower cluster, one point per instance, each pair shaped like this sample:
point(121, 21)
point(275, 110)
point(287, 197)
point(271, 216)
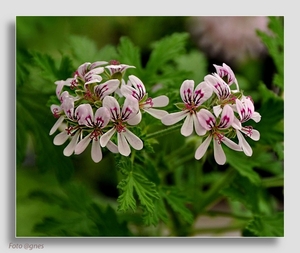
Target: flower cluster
point(97, 106)
point(217, 113)
point(89, 109)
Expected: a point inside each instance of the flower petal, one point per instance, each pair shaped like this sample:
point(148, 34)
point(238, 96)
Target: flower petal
point(160, 101)
point(256, 117)
point(113, 107)
point(84, 115)
point(130, 108)
point(252, 133)
point(227, 117)
point(219, 153)
point(133, 140)
point(104, 139)
point(173, 118)
point(187, 91)
point(123, 146)
point(96, 151)
point(138, 85)
point(112, 147)
point(199, 129)
point(56, 125)
point(128, 91)
point(102, 117)
point(206, 119)
point(202, 92)
point(217, 110)
point(156, 113)
point(229, 143)
point(225, 70)
point(106, 88)
point(244, 144)
point(188, 126)
point(69, 149)
point(202, 148)
point(136, 119)
point(82, 145)
point(61, 138)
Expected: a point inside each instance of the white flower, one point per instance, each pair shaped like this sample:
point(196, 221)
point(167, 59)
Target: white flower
point(85, 116)
point(192, 99)
point(120, 118)
point(87, 73)
point(136, 89)
point(245, 109)
point(107, 88)
point(116, 67)
point(209, 122)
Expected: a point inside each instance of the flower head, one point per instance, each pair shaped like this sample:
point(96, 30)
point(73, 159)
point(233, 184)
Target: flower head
point(192, 100)
point(120, 118)
point(94, 125)
point(216, 133)
point(136, 89)
point(87, 73)
point(245, 110)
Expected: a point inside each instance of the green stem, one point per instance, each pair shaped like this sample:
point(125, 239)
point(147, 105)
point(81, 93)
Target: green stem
point(213, 195)
point(163, 131)
point(273, 182)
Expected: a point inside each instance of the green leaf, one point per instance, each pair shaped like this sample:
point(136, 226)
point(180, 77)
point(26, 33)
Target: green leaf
point(243, 164)
point(195, 63)
point(241, 189)
point(267, 226)
point(129, 54)
point(85, 50)
point(178, 202)
point(145, 190)
point(107, 221)
point(36, 121)
point(272, 114)
point(47, 66)
point(126, 200)
point(275, 44)
point(165, 50)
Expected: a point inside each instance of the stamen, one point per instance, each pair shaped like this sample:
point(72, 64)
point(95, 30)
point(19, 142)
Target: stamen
point(248, 130)
point(218, 137)
point(120, 127)
point(95, 134)
point(55, 113)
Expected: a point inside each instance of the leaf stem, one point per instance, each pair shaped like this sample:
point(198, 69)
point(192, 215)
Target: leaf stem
point(213, 195)
point(277, 181)
point(163, 131)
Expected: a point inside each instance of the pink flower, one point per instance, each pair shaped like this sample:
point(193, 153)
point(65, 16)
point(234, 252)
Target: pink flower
point(245, 109)
point(116, 67)
point(192, 100)
point(120, 118)
point(87, 73)
point(209, 123)
point(136, 89)
point(95, 123)
point(231, 39)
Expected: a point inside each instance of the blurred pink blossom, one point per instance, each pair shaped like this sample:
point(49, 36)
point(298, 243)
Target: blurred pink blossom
point(229, 38)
